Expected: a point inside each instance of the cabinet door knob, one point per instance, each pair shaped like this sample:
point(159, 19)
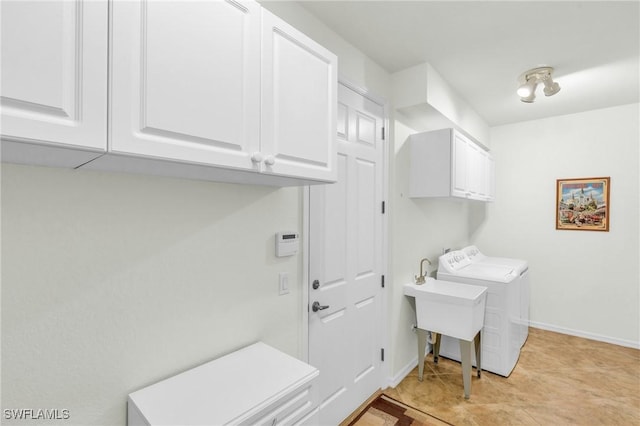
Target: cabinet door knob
point(256, 157)
point(269, 160)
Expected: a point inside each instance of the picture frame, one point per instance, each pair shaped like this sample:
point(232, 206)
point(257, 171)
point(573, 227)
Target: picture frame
point(582, 204)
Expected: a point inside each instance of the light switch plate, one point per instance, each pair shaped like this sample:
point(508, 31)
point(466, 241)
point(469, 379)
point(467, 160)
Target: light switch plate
point(283, 287)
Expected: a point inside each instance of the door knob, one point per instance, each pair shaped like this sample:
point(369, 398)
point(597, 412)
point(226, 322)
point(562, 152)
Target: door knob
point(317, 307)
point(269, 160)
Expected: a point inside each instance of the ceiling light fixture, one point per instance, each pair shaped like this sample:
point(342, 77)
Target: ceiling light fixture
point(529, 81)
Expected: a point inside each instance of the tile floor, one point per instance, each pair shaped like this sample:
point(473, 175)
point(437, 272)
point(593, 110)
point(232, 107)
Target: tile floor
point(559, 380)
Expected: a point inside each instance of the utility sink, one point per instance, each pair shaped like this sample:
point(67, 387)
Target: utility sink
point(452, 309)
point(449, 308)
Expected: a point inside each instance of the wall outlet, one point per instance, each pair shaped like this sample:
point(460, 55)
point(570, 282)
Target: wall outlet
point(283, 287)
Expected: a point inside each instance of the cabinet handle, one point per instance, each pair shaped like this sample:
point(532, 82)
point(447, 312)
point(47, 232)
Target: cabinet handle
point(269, 160)
point(256, 157)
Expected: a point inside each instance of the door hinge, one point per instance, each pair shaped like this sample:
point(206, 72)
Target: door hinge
point(382, 281)
point(383, 133)
point(382, 354)
point(383, 207)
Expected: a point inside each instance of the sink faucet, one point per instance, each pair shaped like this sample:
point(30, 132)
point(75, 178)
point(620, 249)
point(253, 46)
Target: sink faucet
point(420, 278)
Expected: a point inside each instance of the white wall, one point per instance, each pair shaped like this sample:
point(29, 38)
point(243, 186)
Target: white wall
point(583, 283)
point(113, 282)
point(424, 96)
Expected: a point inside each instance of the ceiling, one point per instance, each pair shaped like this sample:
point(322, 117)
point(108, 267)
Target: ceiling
point(480, 48)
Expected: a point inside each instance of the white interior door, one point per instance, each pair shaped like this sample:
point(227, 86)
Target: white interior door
point(346, 263)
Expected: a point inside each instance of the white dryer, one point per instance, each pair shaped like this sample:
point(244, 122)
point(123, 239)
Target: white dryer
point(522, 268)
point(501, 334)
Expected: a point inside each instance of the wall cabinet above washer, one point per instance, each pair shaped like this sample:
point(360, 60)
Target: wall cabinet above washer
point(446, 163)
point(219, 90)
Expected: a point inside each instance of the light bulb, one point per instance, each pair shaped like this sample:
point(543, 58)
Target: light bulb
point(527, 89)
point(528, 99)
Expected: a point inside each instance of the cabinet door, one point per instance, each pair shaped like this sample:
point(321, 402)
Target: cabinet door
point(54, 79)
point(185, 81)
point(459, 166)
point(490, 178)
point(299, 101)
point(476, 172)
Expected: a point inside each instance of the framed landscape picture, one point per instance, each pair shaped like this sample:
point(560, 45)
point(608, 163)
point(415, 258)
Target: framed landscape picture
point(583, 204)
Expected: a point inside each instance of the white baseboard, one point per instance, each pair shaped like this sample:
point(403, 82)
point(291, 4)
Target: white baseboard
point(586, 335)
point(394, 381)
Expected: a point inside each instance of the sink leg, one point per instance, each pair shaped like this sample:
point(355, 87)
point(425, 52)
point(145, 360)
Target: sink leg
point(465, 355)
point(436, 346)
point(477, 343)
point(422, 347)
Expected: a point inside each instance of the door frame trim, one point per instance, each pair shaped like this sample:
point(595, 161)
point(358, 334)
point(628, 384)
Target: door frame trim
point(305, 234)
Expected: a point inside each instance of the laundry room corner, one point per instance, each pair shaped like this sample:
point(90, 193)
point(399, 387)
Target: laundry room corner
point(583, 283)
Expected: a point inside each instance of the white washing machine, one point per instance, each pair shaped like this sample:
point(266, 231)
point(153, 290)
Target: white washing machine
point(476, 256)
point(522, 268)
point(501, 334)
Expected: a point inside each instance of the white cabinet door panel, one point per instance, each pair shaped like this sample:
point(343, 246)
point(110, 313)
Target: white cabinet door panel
point(459, 166)
point(186, 81)
point(54, 75)
point(299, 98)
point(476, 173)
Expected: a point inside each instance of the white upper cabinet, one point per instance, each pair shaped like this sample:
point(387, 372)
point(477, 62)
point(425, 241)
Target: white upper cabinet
point(185, 81)
point(223, 90)
point(445, 163)
point(54, 81)
point(299, 98)
point(216, 90)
